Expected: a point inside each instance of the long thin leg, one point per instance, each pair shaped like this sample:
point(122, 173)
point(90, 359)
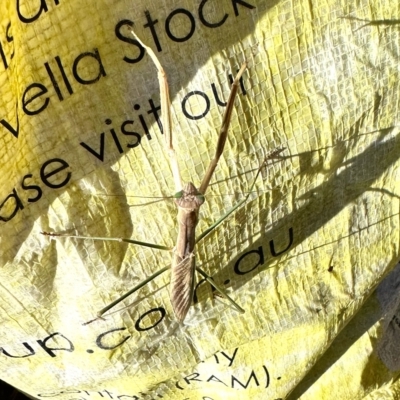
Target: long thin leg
point(223, 133)
point(223, 293)
point(139, 243)
point(165, 114)
point(215, 224)
point(123, 297)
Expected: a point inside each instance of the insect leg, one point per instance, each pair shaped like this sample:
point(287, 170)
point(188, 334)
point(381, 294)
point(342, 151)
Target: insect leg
point(223, 293)
point(165, 114)
point(103, 239)
point(123, 297)
point(273, 154)
point(223, 133)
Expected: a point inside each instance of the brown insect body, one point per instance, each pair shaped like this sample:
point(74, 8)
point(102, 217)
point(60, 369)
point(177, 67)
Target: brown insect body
point(183, 265)
point(188, 199)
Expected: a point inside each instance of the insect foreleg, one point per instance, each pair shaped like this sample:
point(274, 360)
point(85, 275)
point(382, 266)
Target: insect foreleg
point(223, 133)
point(273, 154)
point(165, 114)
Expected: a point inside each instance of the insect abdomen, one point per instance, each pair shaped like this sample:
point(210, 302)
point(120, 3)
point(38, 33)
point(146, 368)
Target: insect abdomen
point(182, 281)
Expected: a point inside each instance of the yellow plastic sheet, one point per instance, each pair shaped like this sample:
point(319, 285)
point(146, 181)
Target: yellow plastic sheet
point(306, 257)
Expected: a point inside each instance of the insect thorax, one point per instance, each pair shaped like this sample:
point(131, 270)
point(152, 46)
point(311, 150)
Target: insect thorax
point(189, 197)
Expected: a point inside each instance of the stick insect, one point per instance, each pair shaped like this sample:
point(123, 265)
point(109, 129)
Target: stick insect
point(188, 200)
